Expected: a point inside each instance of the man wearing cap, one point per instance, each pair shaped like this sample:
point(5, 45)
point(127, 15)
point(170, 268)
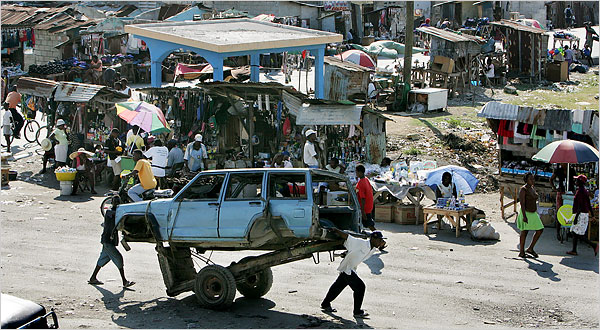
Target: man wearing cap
point(358, 250)
point(195, 154)
point(60, 135)
point(48, 147)
point(83, 164)
point(114, 148)
point(311, 157)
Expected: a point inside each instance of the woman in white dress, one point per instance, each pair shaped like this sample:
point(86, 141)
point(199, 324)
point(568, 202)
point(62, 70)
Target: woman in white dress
point(62, 146)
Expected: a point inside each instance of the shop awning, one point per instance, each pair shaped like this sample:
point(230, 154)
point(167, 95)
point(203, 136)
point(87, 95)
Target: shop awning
point(76, 92)
point(36, 87)
point(499, 110)
point(321, 112)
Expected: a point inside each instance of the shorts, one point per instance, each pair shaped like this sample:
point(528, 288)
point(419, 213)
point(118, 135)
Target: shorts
point(110, 252)
point(116, 167)
point(368, 221)
point(7, 130)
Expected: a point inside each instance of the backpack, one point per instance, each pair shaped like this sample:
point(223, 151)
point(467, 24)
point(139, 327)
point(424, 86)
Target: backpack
point(568, 13)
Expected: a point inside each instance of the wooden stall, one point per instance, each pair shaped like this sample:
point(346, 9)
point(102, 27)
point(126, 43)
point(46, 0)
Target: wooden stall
point(526, 48)
point(345, 80)
point(515, 153)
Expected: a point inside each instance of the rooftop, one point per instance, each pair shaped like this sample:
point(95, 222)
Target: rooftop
point(233, 35)
point(449, 35)
point(517, 26)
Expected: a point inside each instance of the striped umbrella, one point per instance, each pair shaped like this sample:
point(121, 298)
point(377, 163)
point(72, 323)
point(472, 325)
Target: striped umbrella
point(567, 151)
point(358, 57)
point(145, 115)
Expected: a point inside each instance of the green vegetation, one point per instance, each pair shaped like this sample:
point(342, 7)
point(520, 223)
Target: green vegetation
point(412, 151)
point(580, 96)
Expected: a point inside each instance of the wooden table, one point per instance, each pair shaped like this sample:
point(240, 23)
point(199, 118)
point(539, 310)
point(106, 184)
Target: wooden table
point(454, 216)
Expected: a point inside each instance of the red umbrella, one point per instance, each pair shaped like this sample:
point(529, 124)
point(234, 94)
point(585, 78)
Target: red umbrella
point(358, 57)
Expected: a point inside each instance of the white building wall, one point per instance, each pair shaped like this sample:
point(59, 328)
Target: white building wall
point(44, 50)
point(529, 9)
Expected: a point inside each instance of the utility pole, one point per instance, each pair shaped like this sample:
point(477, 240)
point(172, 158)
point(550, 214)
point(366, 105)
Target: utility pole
point(408, 42)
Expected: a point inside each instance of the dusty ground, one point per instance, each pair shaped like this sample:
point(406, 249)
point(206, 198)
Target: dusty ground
point(50, 245)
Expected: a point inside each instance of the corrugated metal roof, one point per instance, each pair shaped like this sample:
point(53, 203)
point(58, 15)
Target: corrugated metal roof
point(36, 87)
point(520, 27)
point(449, 35)
point(76, 92)
point(26, 16)
point(499, 110)
point(335, 61)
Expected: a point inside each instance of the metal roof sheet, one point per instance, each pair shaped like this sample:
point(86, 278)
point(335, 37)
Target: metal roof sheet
point(26, 16)
point(335, 61)
point(36, 87)
point(499, 110)
point(517, 26)
point(449, 35)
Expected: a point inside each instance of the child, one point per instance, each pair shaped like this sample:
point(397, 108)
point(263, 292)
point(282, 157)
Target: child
point(365, 197)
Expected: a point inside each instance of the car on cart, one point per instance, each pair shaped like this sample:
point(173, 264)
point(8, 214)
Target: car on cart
point(282, 211)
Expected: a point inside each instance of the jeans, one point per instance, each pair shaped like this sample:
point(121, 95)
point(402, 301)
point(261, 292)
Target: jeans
point(343, 280)
point(135, 192)
point(110, 252)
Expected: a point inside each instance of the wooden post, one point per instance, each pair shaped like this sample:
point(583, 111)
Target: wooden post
point(532, 57)
point(251, 133)
point(520, 53)
point(408, 44)
point(541, 56)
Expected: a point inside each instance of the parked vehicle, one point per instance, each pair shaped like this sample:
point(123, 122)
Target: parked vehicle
point(277, 210)
point(18, 313)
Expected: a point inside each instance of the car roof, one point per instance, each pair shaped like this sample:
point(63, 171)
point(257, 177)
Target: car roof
point(285, 170)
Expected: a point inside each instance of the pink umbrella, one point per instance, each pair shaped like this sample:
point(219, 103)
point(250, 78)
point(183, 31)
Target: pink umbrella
point(358, 57)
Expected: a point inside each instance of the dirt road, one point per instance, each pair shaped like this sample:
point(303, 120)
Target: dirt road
point(50, 245)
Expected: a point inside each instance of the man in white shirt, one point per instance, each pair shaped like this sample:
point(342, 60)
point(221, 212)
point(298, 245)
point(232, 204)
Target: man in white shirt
point(7, 128)
point(310, 158)
point(358, 250)
point(158, 154)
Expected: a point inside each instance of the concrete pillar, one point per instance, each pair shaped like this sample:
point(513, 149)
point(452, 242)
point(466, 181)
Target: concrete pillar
point(217, 65)
point(319, 78)
point(156, 73)
point(255, 67)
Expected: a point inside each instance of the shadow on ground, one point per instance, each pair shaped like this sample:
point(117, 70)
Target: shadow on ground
point(182, 313)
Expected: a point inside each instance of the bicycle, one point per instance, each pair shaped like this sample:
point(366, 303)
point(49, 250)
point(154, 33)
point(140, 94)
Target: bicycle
point(42, 133)
point(31, 127)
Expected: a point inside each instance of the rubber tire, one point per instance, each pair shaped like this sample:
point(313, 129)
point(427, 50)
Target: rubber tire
point(257, 285)
point(105, 202)
point(39, 136)
point(30, 131)
point(222, 280)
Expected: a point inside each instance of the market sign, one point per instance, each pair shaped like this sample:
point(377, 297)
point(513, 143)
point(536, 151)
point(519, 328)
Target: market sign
point(336, 6)
point(322, 114)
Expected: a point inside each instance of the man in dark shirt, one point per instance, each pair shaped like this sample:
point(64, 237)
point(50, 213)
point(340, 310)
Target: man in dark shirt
point(110, 240)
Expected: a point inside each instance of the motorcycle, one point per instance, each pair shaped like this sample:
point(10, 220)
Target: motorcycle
point(126, 184)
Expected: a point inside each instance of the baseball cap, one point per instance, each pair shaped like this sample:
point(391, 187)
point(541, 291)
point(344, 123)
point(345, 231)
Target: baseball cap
point(60, 122)
point(198, 137)
point(309, 132)
point(377, 234)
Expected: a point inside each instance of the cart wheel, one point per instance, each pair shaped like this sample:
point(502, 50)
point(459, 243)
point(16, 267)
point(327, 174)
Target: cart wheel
point(257, 285)
point(215, 287)
point(106, 205)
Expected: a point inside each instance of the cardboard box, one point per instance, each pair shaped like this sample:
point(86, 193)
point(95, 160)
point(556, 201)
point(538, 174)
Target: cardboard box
point(557, 71)
point(443, 64)
point(404, 214)
point(384, 212)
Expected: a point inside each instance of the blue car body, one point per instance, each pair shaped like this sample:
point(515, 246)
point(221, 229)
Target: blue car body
point(245, 209)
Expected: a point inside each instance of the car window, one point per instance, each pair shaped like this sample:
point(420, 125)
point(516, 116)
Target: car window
point(244, 186)
point(206, 187)
point(287, 185)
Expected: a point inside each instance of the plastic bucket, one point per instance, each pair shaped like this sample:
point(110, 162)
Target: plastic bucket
point(66, 188)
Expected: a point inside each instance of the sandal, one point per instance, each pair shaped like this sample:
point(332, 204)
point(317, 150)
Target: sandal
point(522, 255)
point(95, 282)
point(328, 309)
point(535, 255)
point(573, 253)
point(128, 284)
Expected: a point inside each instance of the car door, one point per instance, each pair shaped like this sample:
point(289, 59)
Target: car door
point(194, 214)
point(289, 199)
point(243, 201)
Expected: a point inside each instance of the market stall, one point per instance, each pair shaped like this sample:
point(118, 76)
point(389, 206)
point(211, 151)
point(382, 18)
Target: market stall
point(522, 132)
